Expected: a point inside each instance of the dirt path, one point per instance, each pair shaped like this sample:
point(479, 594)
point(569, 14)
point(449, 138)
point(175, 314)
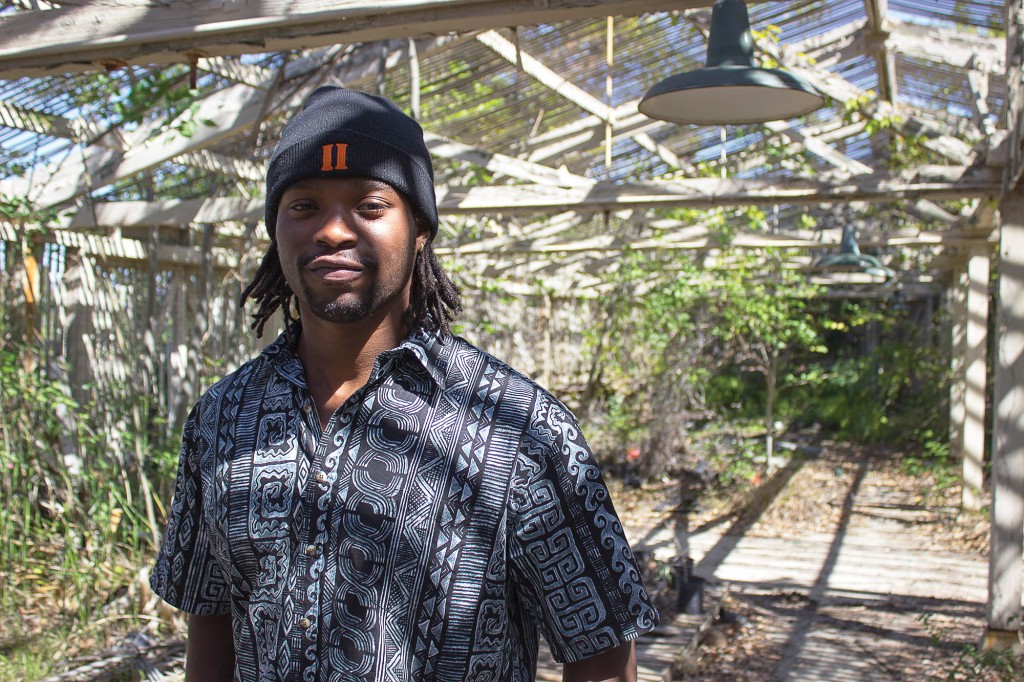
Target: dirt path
point(840, 568)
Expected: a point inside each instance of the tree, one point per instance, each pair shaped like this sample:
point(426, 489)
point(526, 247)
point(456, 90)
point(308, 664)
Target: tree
point(762, 319)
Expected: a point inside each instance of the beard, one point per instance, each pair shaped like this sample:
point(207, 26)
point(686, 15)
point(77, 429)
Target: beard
point(356, 306)
point(332, 309)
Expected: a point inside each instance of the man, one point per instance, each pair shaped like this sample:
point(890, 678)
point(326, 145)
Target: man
point(373, 498)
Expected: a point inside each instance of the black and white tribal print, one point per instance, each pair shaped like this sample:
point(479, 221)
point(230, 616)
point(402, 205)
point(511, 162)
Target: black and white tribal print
point(449, 510)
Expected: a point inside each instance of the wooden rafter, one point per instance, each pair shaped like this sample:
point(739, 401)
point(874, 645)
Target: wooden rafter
point(504, 164)
point(231, 110)
point(603, 113)
point(906, 122)
point(955, 49)
point(876, 33)
point(93, 37)
point(935, 182)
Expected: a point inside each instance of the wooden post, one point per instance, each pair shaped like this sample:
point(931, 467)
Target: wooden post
point(975, 357)
point(957, 303)
point(31, 258)
point(414, 80)
point(1007, 543)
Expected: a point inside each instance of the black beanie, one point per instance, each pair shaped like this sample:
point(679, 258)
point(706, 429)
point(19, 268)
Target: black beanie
point(345, 133)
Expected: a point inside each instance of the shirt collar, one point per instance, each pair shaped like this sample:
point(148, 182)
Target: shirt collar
point(423, 345)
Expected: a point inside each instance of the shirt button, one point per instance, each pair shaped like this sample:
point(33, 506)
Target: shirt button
point(307, 408)
point(321, 477)
point(305, 623)
point(312, 550)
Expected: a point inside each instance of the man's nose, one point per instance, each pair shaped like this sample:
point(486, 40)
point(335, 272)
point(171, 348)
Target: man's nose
point(336, 229)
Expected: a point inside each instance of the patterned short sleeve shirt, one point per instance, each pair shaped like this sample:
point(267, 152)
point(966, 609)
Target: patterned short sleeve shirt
point(449, 512)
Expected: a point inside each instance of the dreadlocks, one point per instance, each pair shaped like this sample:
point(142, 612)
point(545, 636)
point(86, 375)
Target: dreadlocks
point(435, 300)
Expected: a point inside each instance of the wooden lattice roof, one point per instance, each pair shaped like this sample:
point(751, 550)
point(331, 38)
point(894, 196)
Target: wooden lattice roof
point(516, 102)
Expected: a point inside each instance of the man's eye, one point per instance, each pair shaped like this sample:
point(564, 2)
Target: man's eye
point(302, 206)
point(372, 207)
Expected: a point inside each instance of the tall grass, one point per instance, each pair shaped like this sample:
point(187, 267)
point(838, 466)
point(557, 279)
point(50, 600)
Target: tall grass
point(77, 517)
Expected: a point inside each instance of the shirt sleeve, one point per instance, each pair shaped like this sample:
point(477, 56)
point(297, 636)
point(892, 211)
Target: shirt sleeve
point(570, 562)
point(186, 574)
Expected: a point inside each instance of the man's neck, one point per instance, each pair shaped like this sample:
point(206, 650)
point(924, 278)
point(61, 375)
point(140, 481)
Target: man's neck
point(339, 357)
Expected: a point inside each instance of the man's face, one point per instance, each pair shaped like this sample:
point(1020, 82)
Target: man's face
point(347, 247)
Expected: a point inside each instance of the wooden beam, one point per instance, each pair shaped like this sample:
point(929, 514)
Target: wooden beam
point(20, 118)
point(232, 110)
point(30, 120)
point(587, 134)
point(237, 71)
point(974, 364)
point(904, 121)
point(938, 183)
point(93, 37)
point(170, 213)
point(819, 148)
point(935, 44)
point(532, 66)
point(121, 249)
point(937, 140)
point(978, 81)
point(1007, 536)
point(244, 169)
point(957, 49)
point(876, 34)
point(607, 244)
point(1014, 96)
point(501, 163)
point(817, 47)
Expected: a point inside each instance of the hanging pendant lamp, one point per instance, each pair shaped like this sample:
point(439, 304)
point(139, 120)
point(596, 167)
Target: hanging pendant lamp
point(850, 259)
point(729, 89)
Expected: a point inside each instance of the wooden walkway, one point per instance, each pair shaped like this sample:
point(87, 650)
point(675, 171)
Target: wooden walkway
point(876, 555)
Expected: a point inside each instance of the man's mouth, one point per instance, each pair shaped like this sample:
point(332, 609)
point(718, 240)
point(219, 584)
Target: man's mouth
point(335, 268)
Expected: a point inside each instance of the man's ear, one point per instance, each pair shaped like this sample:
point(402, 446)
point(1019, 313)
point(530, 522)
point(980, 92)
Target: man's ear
point(422, 232)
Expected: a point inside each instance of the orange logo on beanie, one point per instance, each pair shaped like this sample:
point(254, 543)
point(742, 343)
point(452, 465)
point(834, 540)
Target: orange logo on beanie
point(334, 157)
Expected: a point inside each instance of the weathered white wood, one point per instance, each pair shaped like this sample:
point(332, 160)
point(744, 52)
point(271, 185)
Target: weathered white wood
point(122, 249)
point(232, 110)
point(501, 163)
point(168, 213)
point(978, 80)
point(14, 116)
point(933, 183)
point(663, 152)
point(904, 120)
point(531, 65)
point(816, 45)
point(940, 45)
point(975, 357)
point(527, 199)
point(92, 37)
point(591, 136)
point(819, 148)
point(1014, 106)
point(224, 165)
point(1007, 537)
point(876, 33)
point(605, 122)
point(233, 69)
point(956, 303)
point(687, 241)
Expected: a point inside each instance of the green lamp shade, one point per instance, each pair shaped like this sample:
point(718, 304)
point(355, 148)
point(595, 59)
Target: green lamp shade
point(719, 95)
point(730, 89)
